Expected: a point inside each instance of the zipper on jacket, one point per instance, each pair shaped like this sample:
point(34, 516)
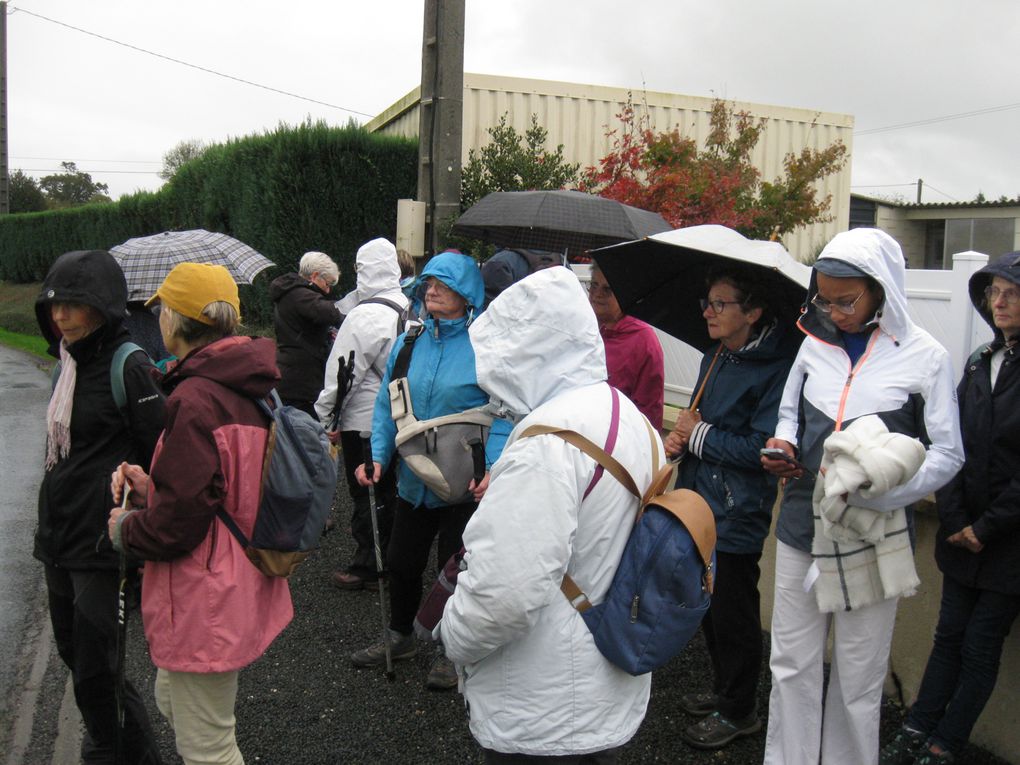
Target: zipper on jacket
point(854, 369)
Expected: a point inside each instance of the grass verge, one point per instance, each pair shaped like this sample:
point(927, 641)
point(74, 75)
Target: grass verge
point(31, 343)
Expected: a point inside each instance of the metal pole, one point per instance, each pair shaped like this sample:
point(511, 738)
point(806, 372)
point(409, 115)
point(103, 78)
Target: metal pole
point(441, 108)
point(920, 185)
point(5, 178)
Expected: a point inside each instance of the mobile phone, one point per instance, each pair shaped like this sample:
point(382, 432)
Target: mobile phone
point(779, 454)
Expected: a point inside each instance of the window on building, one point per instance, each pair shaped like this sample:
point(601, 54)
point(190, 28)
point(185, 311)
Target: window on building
point(992, 236)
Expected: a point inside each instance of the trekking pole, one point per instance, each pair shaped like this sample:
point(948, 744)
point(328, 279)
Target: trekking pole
point(366, 445)
point(121, 642)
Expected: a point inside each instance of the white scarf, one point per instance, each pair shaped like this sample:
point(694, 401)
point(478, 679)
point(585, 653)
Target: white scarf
point(58, 413)
point(863, 556)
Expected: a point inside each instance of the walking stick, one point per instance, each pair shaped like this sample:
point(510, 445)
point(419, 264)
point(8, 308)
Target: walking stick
point(121, 642)
point(366, 445)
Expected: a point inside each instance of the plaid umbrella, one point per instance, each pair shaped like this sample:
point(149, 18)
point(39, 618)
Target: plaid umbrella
point(146, 260)
point(661, 279)
point(559, 221)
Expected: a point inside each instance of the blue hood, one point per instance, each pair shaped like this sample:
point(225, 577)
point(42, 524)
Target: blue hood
point(461, 274)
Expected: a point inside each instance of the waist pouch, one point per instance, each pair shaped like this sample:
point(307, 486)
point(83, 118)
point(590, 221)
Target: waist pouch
point(440, 451)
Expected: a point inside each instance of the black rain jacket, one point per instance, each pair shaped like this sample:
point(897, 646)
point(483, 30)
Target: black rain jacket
point(303, 318)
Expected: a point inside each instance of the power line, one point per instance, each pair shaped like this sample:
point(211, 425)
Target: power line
point(65, 159)
point(90, 172)
point(933, 120)
point(193, 66)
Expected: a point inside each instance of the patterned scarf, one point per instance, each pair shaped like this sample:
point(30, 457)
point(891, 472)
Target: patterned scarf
point(58, 414)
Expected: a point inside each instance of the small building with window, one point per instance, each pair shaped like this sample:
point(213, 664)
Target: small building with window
point(931, 233)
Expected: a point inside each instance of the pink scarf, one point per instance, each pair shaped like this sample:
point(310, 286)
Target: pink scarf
point(58, 414)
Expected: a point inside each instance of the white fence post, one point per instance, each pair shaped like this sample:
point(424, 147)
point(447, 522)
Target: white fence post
point(971, 328)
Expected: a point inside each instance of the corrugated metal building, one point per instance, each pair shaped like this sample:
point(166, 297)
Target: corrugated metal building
point(577, 116)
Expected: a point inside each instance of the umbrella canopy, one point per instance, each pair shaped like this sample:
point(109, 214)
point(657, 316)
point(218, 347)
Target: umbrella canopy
point(559, 221)
point(661, 279)
point(146, 260)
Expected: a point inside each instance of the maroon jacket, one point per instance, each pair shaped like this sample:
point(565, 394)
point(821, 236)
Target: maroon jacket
point(635, 364)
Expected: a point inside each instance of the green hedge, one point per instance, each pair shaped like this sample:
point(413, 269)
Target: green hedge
point(311, 187)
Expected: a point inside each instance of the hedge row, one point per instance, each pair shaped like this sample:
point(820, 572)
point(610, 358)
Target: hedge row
point(311, 187)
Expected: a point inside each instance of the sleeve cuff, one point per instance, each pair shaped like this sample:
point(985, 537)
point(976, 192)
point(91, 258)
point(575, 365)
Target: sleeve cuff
point(696, 443)
point(117, 538)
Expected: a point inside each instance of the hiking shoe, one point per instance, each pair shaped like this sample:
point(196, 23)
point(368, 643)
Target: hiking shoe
point(903, 749)
point(442, 675)
point(401, 647)
point(928, 757)
point(345, 580)
point(716, 731)
point(699, 704)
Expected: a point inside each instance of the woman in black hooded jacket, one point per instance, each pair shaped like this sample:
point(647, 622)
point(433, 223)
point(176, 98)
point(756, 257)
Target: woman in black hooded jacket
point(80, 311)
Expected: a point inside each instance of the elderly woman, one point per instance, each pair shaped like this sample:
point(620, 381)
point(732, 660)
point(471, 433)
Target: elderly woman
point(741, 380)
point(304, 317)
point(862, 355)
point(442, 381)
point(207, 610)
point(978, 542)
point(633, 352)
point(80, 311)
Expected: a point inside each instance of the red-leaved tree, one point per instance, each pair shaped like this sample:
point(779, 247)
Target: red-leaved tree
point(669, 174)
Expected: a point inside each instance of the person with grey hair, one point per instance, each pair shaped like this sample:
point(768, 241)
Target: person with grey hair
point(304, 317)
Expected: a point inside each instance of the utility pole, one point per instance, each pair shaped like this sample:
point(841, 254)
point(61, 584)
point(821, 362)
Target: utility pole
point(5, 178)
point(920, 185)
point(440, 111)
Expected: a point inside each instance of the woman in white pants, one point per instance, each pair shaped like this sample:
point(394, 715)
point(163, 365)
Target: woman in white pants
point(862, 355)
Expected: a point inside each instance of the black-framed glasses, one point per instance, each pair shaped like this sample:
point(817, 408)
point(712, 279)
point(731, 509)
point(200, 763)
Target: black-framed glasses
point(717, 306)
point(1011, 294)
point(845, 308)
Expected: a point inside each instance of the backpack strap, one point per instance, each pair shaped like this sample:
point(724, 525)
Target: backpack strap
point(403, 360)
point(117, 364)
point(401, 312)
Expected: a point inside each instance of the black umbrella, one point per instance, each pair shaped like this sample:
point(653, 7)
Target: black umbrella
point(661, 279)
point(559, 221)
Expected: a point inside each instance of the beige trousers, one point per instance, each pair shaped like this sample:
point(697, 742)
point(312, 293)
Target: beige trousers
point(200, 708)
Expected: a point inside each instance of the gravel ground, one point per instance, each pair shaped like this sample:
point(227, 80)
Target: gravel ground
point(304, 703)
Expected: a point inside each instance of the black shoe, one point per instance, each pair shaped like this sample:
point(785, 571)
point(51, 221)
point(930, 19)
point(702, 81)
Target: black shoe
point(903, 749)
point(699, 704)
point(716, 731)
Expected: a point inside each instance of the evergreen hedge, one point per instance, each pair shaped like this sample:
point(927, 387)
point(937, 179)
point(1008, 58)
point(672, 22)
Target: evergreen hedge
point(288, 191)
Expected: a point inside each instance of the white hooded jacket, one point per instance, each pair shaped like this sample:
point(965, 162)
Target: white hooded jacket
point(368, 330)
point(534, 681)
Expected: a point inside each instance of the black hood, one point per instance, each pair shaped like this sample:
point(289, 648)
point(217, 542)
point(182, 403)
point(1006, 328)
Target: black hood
point(1008, 267)
point(90, 277)
point(281, 285)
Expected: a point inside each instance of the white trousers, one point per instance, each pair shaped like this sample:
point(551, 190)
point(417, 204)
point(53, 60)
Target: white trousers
point(799, 733)
point(200, 709)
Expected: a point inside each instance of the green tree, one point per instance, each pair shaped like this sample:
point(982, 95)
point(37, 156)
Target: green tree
point(670, 174)
point(25, 195)
point(183, 152)
point(514, 162)
point(72, 188)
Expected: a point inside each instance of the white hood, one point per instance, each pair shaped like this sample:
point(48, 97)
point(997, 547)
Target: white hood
point(378, 272)
point(879, 256)
point(536, 340)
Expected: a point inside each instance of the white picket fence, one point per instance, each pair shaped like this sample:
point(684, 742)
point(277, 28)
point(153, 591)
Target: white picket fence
point(938, 300)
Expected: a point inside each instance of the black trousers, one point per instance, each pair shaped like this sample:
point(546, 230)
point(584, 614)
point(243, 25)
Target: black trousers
point(414, 529)
point(83, 611)
point(363, 561)
point(732, 630)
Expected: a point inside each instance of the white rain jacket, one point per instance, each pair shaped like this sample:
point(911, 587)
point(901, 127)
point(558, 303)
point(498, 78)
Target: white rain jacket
point(904, 376)
point(534, 681)
point(368, 330)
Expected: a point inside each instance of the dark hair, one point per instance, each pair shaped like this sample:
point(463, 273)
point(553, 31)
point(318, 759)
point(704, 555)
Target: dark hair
point(752, 290)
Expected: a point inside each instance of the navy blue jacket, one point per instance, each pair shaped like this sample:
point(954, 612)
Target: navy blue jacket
point(739, 409)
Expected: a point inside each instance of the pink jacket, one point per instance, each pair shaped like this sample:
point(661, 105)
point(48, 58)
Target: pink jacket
point(635, 364)
point(205, 607)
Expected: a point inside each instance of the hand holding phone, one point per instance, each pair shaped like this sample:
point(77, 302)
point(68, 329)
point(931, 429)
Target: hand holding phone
point(775, 453)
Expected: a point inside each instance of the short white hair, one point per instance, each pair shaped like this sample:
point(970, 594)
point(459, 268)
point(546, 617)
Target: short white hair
point(321, 262)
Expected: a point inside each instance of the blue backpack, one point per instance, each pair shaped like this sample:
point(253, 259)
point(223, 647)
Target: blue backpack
point(663, 586)
point(298, 484)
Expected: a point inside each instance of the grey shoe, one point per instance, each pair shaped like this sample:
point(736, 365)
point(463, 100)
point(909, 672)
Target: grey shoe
point(442, 675)
point(401, 647)
point(699, 704)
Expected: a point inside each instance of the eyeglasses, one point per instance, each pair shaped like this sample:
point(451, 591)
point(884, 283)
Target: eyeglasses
point(1011, 295)
point(847, 309)
point(717, 306)
point(598, 289)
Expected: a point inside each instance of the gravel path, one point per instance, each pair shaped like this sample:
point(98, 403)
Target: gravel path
point(303, 703)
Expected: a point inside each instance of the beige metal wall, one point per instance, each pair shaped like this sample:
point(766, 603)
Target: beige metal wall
point(577, 117)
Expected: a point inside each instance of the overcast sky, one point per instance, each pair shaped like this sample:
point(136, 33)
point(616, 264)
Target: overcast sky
point(109, 108)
